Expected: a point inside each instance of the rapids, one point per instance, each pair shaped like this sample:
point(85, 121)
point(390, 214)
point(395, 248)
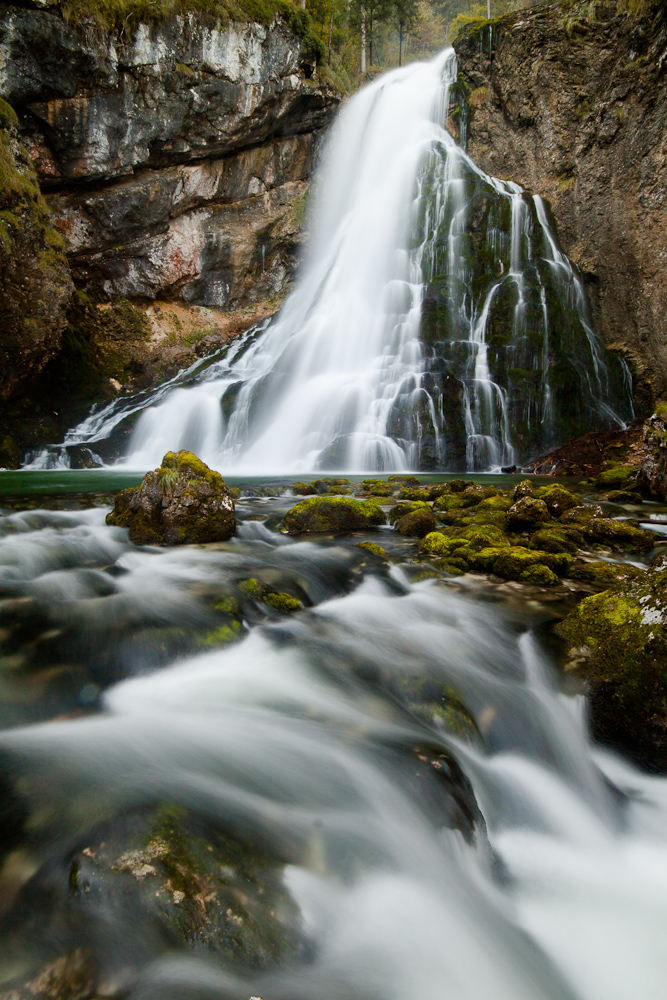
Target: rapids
point(292, 736)
point(435, 323)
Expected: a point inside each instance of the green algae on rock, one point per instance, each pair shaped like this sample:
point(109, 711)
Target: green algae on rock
point(333, 514)
point(181, 503)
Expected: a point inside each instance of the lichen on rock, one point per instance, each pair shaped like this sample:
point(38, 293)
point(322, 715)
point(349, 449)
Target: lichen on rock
point(183, 502)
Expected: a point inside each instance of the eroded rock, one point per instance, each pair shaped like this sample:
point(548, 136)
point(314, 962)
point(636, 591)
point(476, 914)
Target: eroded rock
point(181, 503)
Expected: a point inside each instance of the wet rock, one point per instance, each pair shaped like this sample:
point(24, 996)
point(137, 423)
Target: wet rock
point(623, 496)
point(618, 534)
point(620, 638)
point(557, 499)
point(581, 515)
point(557, 539)
point(527, 514)
point(652, 473)
point(539, 575)
point(416, 523)
point(304, 489)
point(333, 514)
point(523, 489)
point(617, 477)
point(181, 503)
point(511, 563)
point(605, 573)
point(376, 550)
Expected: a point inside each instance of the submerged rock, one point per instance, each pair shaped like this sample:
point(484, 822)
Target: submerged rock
point(333, 514)
point(181, 503)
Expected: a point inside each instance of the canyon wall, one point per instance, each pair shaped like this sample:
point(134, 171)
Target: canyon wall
point(174, 158)
point(571, 102)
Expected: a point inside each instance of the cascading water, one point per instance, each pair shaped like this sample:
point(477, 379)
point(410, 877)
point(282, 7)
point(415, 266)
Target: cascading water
point(435, 325)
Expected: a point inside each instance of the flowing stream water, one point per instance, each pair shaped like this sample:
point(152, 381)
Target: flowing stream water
point(518, 862)
point(435, 323)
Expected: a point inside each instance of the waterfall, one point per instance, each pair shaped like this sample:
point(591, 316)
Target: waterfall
point(435, 324)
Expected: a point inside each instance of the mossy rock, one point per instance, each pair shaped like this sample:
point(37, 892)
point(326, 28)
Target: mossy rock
point(401, 509)
point(615, 478)
point(557, 539)
point(609, 574)
point(498, 503)
point(374, 549)
point(405, 480)
point(183, 502)
point(539, 575)
point(436, 544)
point(510, 563)
point(474, 494)
point(557, 499)
point(449, 502)
point(417, 523)
point(528, 514)
point(523, 489)
point(281, 601)
point(413, 493)
point(459, 485)
point(621, 638)
point(623, 496)
point(302, 489)
point(619, 535)
point(330, 485)
point(333, 515)
point(377, 488)
point(581, 515)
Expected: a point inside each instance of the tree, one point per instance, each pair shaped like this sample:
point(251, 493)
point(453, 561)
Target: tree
point(405, 14)
point(367, 14)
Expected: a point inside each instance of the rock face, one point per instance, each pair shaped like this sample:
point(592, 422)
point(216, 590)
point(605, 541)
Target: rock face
point(652, 473)
point(571, 103)
point(34, 277)
point(175, 156)
point(183, 502)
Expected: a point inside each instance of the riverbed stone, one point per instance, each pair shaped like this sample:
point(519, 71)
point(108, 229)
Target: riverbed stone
point(416, 523)
point(333, 514)
point(527, 514)
point(557, 499)
point(181, 503)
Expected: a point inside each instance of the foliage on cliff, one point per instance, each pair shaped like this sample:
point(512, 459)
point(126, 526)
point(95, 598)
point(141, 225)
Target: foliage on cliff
point(34, 275)
point(127, 14)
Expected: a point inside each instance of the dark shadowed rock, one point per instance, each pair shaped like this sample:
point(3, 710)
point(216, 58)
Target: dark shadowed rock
point(183, 502)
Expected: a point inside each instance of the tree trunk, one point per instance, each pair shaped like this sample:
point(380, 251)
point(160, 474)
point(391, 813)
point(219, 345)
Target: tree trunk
point(363, 42)
point(488, 9)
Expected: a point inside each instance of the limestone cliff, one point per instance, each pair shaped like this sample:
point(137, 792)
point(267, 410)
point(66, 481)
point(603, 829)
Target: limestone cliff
point(171, 155)
point(174, 155)
point(570, 100)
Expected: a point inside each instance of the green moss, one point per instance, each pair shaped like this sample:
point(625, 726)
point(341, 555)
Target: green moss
point(605, 573)
point(616, 477)
point(401, 509)
point(510, 563)
point(220, 636)
point(539, 574)
point(126, 15)
point(333, 514)
point(436, 544)
point(376, 550)
point(557, 539)
point(252, 587)
point(281, 601)
point(618, 534)
point(557, 499)
point(303, 489)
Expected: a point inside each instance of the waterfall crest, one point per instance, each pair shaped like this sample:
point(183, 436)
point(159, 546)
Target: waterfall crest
point(435, 324)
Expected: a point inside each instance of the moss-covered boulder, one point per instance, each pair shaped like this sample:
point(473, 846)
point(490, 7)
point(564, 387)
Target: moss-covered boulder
point(581, 515)
point(523, 489)
point(183, 502)
point(623, 496)
point(332, 515)
point(557, 539)
point(617, 477)
point(621, 638)
point(618, 534)
point(417, 523)
point(301, 489)
point(511, 563)
point(527, 514)
point(539, 575)
point(608, 574)
point(557, 499)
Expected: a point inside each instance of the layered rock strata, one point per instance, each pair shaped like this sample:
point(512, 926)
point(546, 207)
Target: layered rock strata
point(570, 101)
point(175, 158)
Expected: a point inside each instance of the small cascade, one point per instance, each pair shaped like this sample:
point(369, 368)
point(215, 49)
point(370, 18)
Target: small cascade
point(436, 324)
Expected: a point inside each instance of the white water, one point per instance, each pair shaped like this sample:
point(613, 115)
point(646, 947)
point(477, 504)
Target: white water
point(276, 734)
point(337, 381)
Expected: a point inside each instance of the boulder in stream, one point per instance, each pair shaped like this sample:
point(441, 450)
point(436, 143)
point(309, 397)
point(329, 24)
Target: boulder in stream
point(620, 637)
point(333, 514)
point(181, 503)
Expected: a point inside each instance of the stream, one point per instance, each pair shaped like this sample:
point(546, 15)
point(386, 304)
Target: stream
point(402, 748)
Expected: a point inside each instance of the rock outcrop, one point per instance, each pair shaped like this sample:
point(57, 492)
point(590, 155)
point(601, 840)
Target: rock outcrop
point(570, 101)
point(35, 285)
point(175, 155)
point(183, 502)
